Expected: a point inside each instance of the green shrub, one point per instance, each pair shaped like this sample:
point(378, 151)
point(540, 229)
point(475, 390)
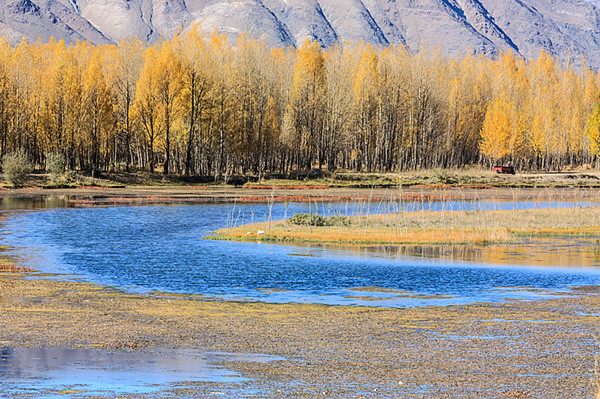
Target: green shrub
point(306, 219)
point(55, 165)
point(16, 168)
point(339, 221)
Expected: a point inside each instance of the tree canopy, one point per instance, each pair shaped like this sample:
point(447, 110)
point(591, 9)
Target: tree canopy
point(200, 106)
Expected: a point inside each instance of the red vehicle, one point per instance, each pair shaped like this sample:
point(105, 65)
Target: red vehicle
point(506, 168)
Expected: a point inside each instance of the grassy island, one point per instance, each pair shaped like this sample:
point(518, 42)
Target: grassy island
point(477, 227)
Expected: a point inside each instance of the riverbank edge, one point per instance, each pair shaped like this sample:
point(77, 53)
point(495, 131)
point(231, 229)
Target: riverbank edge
point(516, 238)
point(475, 176)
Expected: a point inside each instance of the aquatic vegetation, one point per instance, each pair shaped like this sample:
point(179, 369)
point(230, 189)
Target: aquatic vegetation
point(7, 284)
point(299, 199)
point(596, 378)
point(11, 268)
point(367, 347)
point(285, 187)
point(91, 187)
point(430, 345)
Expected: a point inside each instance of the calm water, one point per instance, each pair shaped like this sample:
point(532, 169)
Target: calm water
point(56, 373)
point(162, 248)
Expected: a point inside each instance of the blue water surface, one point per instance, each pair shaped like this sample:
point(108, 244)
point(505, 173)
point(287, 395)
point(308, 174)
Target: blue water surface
point(163, 248)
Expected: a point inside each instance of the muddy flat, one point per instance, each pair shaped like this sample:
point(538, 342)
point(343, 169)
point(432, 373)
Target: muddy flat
point(537, 349)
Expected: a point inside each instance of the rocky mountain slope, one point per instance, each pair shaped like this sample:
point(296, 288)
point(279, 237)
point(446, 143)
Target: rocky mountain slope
point(564, 28)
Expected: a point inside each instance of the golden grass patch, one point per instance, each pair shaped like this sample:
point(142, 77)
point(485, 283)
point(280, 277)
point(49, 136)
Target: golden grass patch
point(423, 227)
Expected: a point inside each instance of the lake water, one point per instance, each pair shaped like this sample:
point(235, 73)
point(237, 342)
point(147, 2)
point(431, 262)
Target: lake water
point(163, 248)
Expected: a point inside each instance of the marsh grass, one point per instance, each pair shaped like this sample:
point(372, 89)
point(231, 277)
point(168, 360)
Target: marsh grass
point(393, 221)
point(348, 179)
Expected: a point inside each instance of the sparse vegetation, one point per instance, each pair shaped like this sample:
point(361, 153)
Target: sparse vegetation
point(125, 344)
point(370, 345)
point(16, 168)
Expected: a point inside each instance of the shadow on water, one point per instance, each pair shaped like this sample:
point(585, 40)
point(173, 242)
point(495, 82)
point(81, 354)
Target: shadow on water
point(58, 372)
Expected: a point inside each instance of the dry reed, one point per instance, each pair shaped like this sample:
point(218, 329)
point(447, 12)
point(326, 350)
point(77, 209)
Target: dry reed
point(439, 219)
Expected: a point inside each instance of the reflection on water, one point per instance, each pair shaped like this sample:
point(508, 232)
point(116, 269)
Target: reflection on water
point(53, 201)
point(160, 248)
point(560, 252)
point(45, 370)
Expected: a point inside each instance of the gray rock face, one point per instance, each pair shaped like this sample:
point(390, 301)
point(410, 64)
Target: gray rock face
point(564, 28)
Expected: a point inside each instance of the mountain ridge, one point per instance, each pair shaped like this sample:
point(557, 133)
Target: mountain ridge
point(563, 28)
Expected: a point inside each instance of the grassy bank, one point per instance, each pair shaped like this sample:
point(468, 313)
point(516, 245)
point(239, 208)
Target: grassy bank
point(477, 177)
point(470, 177)
point(424, 227)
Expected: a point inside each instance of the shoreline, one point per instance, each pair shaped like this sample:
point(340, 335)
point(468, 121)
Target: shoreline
point(434, 351)
point(155, 195)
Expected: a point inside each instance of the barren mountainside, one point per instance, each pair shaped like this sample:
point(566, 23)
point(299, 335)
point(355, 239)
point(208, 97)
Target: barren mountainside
point(564, 28)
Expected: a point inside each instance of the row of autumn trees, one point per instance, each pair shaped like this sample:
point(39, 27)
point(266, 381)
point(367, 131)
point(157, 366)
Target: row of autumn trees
point(206, 107)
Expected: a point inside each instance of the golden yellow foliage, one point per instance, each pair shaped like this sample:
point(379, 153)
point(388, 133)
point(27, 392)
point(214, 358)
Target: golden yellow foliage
point(203, 106)
point(497, 130)
point(593, 130)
